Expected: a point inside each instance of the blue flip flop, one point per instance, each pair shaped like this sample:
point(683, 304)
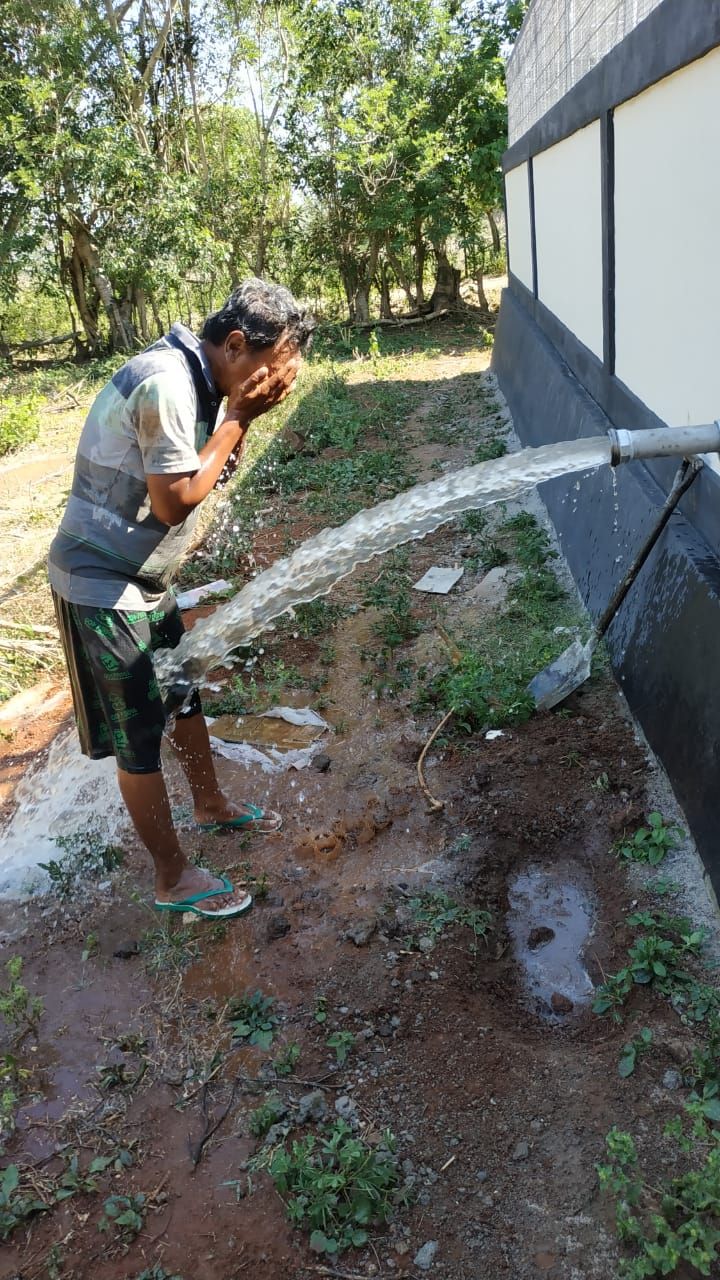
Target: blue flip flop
point(234, 824)
point(223, 913)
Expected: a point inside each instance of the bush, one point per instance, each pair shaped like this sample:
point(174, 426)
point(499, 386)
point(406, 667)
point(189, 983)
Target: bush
point(19, 423)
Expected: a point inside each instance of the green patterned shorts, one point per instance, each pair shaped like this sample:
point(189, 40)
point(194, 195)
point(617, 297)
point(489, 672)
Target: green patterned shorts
point(117, 701)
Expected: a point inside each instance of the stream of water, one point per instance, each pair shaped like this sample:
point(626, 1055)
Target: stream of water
point(69, 793)
point(316, 565)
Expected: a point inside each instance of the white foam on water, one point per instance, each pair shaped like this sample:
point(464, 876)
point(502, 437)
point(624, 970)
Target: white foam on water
point(65, 796)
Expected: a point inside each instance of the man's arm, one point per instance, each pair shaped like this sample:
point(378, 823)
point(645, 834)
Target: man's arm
point(174, 496)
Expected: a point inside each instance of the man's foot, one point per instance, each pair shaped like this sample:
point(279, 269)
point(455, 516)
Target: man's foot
point(243, 817)
point(196, 880)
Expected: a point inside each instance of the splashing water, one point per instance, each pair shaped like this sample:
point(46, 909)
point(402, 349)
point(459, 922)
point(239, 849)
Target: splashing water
point(322, 561)
point(67, 793)
point(61, 797)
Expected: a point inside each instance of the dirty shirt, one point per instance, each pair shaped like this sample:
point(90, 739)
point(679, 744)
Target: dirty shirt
point(152, 418)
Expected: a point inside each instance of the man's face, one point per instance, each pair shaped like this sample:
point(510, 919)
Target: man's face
point(242, 360)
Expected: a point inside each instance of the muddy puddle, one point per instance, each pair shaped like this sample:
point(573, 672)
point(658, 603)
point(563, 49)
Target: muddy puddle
point(550, 920)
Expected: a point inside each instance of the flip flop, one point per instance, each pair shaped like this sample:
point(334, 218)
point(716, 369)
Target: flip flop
point(223, 913)
point(253, 815)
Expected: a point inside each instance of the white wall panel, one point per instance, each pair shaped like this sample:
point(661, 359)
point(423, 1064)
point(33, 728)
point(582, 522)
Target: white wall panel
point(567, 180)
point(667, 244)
point(517, 198)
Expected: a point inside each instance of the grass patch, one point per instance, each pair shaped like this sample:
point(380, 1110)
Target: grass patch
point(19, 422)
point(85, 856)
point(436, 912)
point(487, 686)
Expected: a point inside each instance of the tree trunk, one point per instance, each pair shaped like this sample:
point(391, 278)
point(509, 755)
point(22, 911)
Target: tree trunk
point(482, 297)
point(402, 277)
point(87, 254)
point(87, 307)
point(156, 316)
point(142, 317)
point(494, 231)
point(361, 304)
point(447, 281)
point(420, 252)
point(386, 311)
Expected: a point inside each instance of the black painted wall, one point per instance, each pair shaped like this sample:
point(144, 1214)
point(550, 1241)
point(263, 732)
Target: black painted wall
point(665, 639)
point(664, 642)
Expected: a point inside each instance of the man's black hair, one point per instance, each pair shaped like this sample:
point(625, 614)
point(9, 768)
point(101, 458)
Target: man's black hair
point(261, 311)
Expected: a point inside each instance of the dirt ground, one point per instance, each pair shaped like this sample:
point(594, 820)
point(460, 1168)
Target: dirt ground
point(496, 1078)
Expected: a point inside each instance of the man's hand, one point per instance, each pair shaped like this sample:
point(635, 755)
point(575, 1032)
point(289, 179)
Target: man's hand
point(262, 391)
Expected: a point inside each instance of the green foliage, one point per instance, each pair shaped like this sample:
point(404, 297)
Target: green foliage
point(19, 1010)
point(265, 1116)
point(252, 1019)
point(657, 958)
point(12, 1081)
point(286, 1061)
point(682, 1222)
point(16, 1204)
point(651, 843)
point(85, 856)
point(19, 423)
point(493, 447)
point(342, 1042)
point(633, 1050)
point(125, 1215)
point(336, 1186)
point(170, 951)
point(434, 912)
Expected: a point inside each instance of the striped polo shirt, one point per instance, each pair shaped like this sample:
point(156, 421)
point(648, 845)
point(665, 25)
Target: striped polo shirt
point(152, 418)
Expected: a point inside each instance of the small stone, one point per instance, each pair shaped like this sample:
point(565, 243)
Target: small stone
point(672, 1079)
point(277, 926)
point(522, 1151)
point(425, 1256)
point(126, 950)
point(105, 885)
point(560, 1003)
point(540, 937)
point(385, 1028)
point(312, 1106)
point(361, 933)
point(433, 975)
point(426, 943)
point(346, 1108)
point(482, 1175)
point(321, 762)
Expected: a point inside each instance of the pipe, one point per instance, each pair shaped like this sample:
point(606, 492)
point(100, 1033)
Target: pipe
point(663, 442)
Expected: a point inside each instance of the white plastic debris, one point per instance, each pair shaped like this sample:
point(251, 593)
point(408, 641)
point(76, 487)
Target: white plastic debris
point(438, 580)
point(492, 734)
point(189, 599)
point(297, 715)
point(270, 761)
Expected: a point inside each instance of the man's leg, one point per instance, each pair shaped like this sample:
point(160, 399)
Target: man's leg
point(146, 798)
point(190, 739)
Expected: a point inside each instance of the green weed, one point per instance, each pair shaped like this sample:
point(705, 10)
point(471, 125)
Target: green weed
point(265, 1116)
point(651, 843)
point(342, 1042)
point(12, 1081)
point(85, 856)
point(124, 1214)
point(170, 951)
point(252, 1019)
point(336, 1186)
point(286, 1061)
point(677, 1222)
point(634, 1050)
point(657, 958)
point(16, 1204)
point(19, 1010)
point(435, 912)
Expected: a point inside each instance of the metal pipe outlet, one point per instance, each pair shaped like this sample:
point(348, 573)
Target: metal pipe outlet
point(663, 442)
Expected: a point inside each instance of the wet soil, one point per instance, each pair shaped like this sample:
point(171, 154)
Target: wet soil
point(499, 1095)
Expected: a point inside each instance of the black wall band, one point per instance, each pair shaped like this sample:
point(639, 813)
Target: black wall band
point(674, 34)
point(607, 160)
